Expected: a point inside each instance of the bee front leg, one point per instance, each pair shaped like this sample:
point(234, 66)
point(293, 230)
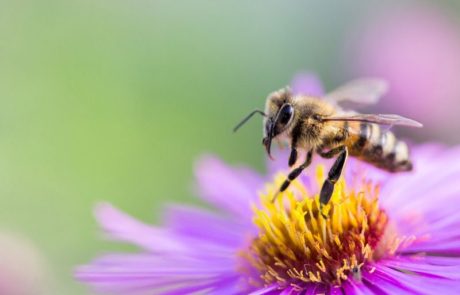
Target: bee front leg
point(292, 157)
point(296, 172)
point(295, 137)
point(333, 176)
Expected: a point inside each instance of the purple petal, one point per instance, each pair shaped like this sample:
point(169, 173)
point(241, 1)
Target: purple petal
point(162, 264)
point(311, 289)
point(397, 282)
point(440, 260)
point(265, 290)
point(204, 225)
point(280, 162)
point(133, 273)
point(429, 174)
point(420, 266)
point(122, 227)
point(356, 288)
point(427, 151)
point(383, 284)
point(434, 247)
point(230, 189)
point(288, 291)
point(307, 83)
point(335, 290)
point(227, 285)
point(135, 285)
point(424, 203)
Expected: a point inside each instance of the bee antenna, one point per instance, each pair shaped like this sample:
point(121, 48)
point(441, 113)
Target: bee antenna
point(247, 119)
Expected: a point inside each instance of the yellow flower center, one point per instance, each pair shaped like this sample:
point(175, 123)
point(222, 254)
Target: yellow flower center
point(297, 245)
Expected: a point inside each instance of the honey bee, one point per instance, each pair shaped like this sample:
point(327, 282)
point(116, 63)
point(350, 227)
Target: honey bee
point(318, 125)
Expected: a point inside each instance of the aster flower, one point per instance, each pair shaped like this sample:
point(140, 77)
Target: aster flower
point(385, 234)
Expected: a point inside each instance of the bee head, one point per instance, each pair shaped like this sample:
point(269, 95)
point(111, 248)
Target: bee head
point(280, 114)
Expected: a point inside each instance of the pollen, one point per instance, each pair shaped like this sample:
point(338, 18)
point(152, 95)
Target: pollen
point(299, 245)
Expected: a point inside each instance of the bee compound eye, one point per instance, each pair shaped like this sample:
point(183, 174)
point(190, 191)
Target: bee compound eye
point(285, 114)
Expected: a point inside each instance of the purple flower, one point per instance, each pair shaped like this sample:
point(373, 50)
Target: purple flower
point(387, 234)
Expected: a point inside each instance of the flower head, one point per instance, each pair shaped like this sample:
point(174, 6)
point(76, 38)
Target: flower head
point(386, 233)
point(296, 245)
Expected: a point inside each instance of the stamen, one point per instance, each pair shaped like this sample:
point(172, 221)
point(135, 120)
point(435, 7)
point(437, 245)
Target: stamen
point(297, 245)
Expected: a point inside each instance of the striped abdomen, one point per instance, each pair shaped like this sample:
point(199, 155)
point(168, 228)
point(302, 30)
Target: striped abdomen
point(381, 148)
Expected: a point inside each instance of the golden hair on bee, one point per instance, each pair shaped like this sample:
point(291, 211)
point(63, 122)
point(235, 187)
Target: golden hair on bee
point(318, 125)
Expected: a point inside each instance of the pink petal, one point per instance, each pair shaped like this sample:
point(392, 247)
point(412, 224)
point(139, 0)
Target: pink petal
point(413, 283)
point(140, 273)
point(123, 227)
point(355, 288)
point(204, 225)
point(264, 291)
point(230, 189)
point(421, 266)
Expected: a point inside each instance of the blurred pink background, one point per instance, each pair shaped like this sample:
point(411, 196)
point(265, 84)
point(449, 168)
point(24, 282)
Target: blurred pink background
point(417, 49)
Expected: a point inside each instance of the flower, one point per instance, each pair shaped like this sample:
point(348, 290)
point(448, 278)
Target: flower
point(386, 233)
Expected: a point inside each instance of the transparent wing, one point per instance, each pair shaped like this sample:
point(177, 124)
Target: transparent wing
point(362, 91)
point(382, 119)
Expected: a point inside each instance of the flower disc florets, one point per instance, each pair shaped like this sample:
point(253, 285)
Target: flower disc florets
point(296, 245)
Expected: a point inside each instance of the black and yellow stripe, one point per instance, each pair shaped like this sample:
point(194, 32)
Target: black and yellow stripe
point(379, 147)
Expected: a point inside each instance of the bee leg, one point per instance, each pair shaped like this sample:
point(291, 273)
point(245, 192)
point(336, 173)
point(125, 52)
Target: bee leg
point(332, 178)
point(296, 133)
point(292, 157)
point(331, 153)
point(295, 173)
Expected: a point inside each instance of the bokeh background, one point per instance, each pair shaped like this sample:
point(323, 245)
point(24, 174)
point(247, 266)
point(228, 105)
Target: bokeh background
point(114, 100)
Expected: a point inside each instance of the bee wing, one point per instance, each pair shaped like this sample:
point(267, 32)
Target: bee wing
point(382, 119)
point(362, 91)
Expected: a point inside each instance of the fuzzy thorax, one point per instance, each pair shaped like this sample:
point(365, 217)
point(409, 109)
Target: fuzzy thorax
point(296, 245)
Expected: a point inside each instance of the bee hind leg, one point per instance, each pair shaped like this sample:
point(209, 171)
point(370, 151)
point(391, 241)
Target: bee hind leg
point(333, 176)
point(294, 174)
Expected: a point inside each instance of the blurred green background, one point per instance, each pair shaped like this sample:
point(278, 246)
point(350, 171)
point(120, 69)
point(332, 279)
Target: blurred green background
point(114, 100)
